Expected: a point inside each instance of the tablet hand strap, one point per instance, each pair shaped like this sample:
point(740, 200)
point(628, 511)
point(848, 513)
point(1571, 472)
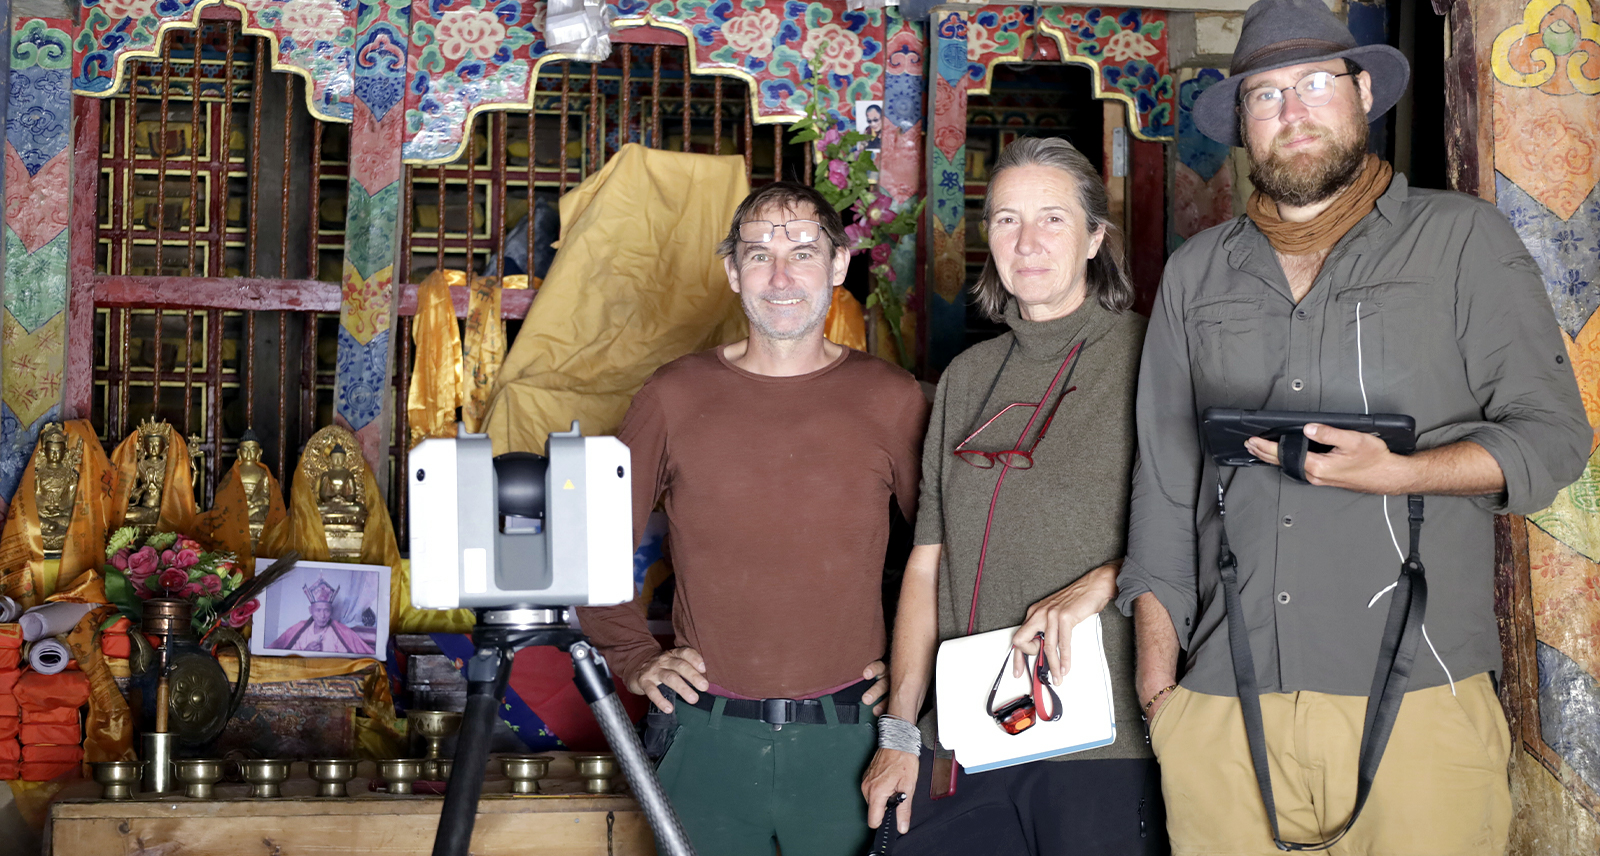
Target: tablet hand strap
point(1293, 447)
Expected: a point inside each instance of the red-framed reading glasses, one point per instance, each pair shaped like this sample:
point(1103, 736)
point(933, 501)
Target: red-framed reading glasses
point(1017, 458)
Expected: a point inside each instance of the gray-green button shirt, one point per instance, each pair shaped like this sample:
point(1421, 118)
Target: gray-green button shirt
point(1431, 307)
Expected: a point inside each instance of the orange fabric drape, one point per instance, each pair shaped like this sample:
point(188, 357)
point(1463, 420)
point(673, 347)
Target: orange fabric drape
point(226, 526)
point(846, 323)
point(178, 510)
point(436, 374)
point(23, 571)
point(483, 351)
point(108, 729)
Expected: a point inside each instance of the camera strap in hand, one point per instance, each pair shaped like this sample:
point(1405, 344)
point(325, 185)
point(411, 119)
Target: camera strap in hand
point(1398, 653)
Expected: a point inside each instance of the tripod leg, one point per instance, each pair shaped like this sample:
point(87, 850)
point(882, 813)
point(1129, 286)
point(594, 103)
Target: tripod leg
point(487, 673)
point(594, 682)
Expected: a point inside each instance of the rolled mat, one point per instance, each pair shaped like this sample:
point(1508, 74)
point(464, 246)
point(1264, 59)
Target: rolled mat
point(53, 716)
point(10, 659)
point(52, 619)
point(9, 610)
point(49, 656)
point(45, 771)
point(51, 754)
point(68, 735)
point(9, 726)
point(10, 636)
point(10, 749)
point(43, 692)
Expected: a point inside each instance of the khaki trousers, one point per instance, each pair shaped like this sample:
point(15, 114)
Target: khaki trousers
point(1441, 789)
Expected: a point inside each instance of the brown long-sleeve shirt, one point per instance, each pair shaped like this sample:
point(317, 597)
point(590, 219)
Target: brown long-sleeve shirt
point(776, 491)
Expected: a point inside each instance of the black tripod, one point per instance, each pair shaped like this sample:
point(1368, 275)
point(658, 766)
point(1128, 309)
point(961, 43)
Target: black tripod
point(499, 634)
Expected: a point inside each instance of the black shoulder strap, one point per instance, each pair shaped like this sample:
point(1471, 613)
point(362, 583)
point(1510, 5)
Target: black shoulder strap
point(1396, 657)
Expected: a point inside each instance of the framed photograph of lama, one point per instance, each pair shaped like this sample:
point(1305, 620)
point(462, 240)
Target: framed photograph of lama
point(323, 609)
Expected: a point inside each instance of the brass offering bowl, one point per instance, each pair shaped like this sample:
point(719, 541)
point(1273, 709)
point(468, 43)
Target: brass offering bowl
point(597, 771)
point(525, 771)
point(399, 773)
point(442, 768)
point(434, 726)
point(117, 778)
point(331, 775)
point(265, 775)
point(198, 775)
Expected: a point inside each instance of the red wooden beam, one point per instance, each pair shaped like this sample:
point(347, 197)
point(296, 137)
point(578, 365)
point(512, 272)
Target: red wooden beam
point(1147, 201)
point(514, 302)
point(78, 385)
point(648, 36)
point(210, 292)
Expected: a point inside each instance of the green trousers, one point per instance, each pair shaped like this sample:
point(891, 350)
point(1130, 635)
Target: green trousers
point(739, 787)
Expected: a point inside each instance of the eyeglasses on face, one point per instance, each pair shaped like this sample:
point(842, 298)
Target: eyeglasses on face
point(1314, 90)
point(761, 231)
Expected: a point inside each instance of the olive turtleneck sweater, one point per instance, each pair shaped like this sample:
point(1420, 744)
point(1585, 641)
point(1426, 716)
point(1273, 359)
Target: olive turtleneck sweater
point(1063, 517)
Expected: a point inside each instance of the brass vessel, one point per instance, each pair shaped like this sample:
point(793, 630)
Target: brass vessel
point(198, 775)
point(332, 775)
point(399, 773)
point(597, 771)
point(265, 775)
point(434, 726)
point(525, 771)
point(117, 778)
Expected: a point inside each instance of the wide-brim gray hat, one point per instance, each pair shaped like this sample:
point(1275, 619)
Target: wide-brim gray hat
point(1281, 33)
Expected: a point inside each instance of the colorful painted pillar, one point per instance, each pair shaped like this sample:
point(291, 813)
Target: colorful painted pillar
point(1202, 182)
point(369, 295)
point(38, 185)
point(1527, 136)
point(900, 169)
point(947, 168)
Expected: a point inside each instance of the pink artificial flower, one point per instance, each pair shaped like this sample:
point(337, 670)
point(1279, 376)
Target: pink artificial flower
point(831, 136)
point(881, 211)
point(211, 584)
point(240, 615)
point(120, 559)
point(191, 590)
point(838, 172)
point(185, 559)
point(143, 562)
point(857, 233)
point(880, 254)
point(188, 544)
point(141, 590)
point(173, 580)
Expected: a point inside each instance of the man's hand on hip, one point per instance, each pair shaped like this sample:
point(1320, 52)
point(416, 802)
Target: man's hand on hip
point(877, 672)
point(682, 669)
point(891, 772)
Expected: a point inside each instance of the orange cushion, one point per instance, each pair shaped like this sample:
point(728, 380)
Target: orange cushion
point(9, 726)
point(43, 692)
point(44, 771)
point(8, 681)
point(8, 705)
point(10, 750)
point(50, 733)
point(10, 635)
point(116, 645)
point(10, 658)
point(53, 716)
point(51, 754)
point(10, 770)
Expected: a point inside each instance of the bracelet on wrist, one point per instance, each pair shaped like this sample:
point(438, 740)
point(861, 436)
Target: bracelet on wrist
point(898, 734)
point(1155, 698)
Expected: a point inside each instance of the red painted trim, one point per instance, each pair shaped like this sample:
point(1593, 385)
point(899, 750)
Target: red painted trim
point(230, 293)
point(648, 36)
point(1147, 198)
point(78, 383)
point(514, 302)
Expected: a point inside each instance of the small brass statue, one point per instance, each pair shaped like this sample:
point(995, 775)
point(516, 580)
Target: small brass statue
point(342, 502)
point(56, 486)
point(144, 504)
point(254, 478)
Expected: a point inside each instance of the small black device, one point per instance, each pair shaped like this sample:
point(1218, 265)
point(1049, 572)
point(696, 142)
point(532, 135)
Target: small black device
point(1226, 429)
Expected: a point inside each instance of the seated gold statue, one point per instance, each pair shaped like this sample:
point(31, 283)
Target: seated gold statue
point(339, 494)
point(256, 481)
point(144, 503)
point(56, 486)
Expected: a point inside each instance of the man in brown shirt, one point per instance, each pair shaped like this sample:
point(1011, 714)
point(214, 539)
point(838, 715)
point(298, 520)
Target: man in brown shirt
point(775, 460)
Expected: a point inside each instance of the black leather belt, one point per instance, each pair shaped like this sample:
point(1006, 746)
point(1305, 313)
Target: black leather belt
point(778, 712)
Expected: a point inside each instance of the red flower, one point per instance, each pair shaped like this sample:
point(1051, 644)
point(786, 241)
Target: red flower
point(173, 579)
point(880, 254)
point(191, 590)
point(211, 584)
point(120, 560)
point(185, 559)
point(838, 173)
point(143, 562)
point(240, 615)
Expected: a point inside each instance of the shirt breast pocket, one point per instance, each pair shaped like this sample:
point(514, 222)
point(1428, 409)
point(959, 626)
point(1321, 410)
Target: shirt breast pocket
point(1227, 351)
point(1384, 327)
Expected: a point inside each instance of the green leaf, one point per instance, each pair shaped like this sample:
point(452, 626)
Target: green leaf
point(805, 136)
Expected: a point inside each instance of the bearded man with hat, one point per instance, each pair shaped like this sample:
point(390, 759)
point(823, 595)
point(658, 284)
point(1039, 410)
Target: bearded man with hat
point(1334, 694)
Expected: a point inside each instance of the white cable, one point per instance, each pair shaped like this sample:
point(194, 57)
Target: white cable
point(1361, 378)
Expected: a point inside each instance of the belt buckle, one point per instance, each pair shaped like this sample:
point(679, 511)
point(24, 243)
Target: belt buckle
point(777, 712)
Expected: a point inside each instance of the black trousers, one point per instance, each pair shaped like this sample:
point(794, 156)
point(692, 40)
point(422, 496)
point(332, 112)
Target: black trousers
point(1046, 808)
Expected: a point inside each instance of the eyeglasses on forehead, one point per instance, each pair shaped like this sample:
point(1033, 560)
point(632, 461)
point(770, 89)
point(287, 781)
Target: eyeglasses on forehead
point(1313, 90)
point(761, 231)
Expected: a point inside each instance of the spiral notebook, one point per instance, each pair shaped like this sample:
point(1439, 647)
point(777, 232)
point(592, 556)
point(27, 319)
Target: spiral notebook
point(965, 671)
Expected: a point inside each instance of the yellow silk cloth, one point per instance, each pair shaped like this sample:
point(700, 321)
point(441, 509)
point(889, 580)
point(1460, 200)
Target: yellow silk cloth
point(846, 323)
point(436, 374)
point(24, 574)
point(483, 352)
point(636, 284)
point(108, 729)
point(226, 526)
point(177, 493)
point(302, 530)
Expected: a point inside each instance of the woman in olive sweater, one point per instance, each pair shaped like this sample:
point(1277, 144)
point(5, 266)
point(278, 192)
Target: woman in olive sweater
point(1048, 539)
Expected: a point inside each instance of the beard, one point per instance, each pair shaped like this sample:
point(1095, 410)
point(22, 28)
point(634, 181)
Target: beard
point(754, 307)
point(1308, 178)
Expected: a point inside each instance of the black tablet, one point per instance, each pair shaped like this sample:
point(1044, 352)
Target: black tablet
point(1226, 430)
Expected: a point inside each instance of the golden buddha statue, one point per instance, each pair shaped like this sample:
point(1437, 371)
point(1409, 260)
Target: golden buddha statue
point(56, 486)
point(197, 465)
point(150, 472)
point(256, 481)
point(342, 504)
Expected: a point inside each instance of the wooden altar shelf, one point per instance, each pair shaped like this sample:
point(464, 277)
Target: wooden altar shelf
point(563, 821)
